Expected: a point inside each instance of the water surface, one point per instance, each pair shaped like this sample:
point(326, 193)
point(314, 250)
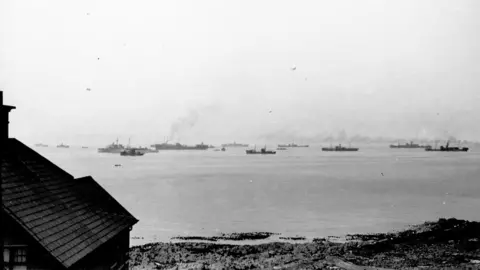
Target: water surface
point(300, 191)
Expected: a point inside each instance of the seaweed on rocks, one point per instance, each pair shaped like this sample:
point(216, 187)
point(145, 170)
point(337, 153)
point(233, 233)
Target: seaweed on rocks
point(294, 238)
point(319, 240)
point(457, 231)
point(444, 244)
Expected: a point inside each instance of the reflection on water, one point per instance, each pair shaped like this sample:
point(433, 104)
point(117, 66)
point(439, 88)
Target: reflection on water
point(303, 192)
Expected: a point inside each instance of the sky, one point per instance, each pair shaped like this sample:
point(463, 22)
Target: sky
point(218, 71)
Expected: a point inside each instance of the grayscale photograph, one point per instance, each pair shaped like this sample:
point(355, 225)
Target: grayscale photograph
point(218, 134)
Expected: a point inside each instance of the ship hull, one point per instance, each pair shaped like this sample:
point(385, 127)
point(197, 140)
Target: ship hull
point(132, 155)
point(465, 149)
point(260, 153)
point(340, 150)
point(234, 145)
point(110, 151)
point(407, 147)
point(186, 148)
point(161, 147)
point(41, 145)
point(145, 151)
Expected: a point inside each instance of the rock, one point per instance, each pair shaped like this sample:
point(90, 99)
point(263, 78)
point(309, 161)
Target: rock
point(189, 266)
point(446, 244)
point(217, 266)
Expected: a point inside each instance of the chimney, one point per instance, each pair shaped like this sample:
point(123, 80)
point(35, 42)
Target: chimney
point(4, 111)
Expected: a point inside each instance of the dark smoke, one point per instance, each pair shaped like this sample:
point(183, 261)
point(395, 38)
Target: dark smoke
point(183, 125)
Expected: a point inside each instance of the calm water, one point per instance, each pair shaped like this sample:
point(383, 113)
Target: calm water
point(303, 192)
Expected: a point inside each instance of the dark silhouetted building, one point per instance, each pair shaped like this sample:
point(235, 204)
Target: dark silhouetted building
point(51, 220)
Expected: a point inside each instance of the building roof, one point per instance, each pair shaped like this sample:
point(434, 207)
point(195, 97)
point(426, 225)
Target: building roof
point(69, 217)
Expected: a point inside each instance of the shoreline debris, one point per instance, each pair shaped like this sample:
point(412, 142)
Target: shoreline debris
point(443, 244)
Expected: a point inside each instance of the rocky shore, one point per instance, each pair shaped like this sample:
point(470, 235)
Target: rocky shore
point(444, 244)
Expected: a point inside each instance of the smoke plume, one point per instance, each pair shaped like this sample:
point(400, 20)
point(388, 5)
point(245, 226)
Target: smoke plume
point(183, 125)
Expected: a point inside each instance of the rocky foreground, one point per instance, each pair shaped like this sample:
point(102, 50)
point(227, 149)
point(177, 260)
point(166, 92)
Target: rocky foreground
point(445, 244)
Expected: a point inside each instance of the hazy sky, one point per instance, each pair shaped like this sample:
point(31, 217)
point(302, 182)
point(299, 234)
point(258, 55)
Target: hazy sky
point(213, 70)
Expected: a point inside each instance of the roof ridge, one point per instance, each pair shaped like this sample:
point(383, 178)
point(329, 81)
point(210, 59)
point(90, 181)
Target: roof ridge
point(128, 214)
point(44, 159)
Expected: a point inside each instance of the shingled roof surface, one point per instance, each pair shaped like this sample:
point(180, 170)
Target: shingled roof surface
point(69, 217)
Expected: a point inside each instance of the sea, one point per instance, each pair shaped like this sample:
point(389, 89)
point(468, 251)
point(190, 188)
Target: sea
point(297, 192)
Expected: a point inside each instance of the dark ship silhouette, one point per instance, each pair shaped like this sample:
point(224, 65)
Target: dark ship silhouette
point(113, 148)
point(131, 152)
point(177, 146)
point(234, 144)
point(340, 148)
point(41, 145)
point(408, 145)
point(293, 144)
point(144, 149)
point(63, 146)
point(447, 148)
point(263, 151)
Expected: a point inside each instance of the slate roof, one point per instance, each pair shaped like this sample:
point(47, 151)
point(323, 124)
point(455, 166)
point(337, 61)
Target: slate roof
point(69, 217)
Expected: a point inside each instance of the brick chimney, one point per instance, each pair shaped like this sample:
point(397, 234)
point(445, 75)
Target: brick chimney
point(4, 111)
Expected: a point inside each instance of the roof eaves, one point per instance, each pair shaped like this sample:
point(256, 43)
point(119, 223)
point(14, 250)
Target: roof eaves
point(37, 239)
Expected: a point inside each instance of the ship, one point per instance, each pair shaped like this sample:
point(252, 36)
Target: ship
point(41, 145)
point(447, 148)
point(131, 152)
point(140, 149)
point(63, 146)
point(340, 148)
point(281, 148)
point(293, 144)
point(234, 144)
point(84, 147)
point(178, 146)
point(144, 149)
point(223, 149)
point(113, 148)
point(408, 145)
point(262, 151)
